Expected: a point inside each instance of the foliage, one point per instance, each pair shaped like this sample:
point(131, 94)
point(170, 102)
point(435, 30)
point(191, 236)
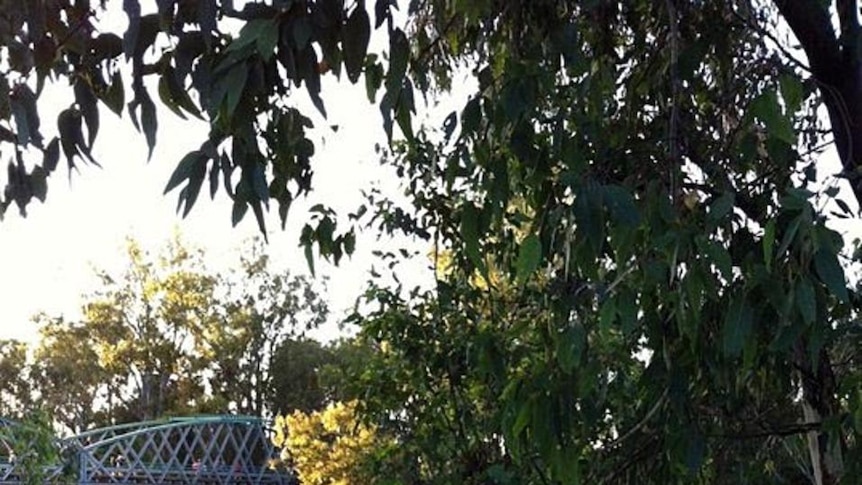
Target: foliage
point(14, 397)
point(67, 372)
point(36, 454)
point(645, 285)
point(261, 312)
point(297, 366)
point(167, 337)
point(642, 287)
point(326, 447)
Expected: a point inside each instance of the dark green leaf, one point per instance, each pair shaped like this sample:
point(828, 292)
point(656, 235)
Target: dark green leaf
point(792, 91)
point(301, 33)
point(167, 99)
point(470, 236)
point(381, 12)
point(309, 257)
point(789, 235)
point(805, 300)
point(38, 183)
point(149, 123)
point(185, 169)
point(719, 256)
point(449, 125)
point(831, 274)
point(523, 418)
point(357, 33)
point(589, 214)
point(130, 39)
point(89, 109)
point(189, 194)
point(207, 17)
point(737, 326)
point(106, 46)
point(399, 57)
point(267, 39)
point(722, 206)
point(115, 96)
point(768, 243)
point(258, 182)
point(570, 347)
point(26, 114)
point(471, 117)
point(234, 84)
point(766, 108)
point(51, 155)
point(621, 205)
point(240, 207)
point(529, 257)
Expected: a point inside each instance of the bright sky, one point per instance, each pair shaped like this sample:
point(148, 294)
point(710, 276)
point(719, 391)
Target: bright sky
point(47, 259)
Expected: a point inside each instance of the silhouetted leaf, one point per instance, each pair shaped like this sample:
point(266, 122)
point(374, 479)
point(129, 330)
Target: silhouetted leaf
point(26, 114)
point(51, 155)
point(185, 169)
point(149, 123)
point(69, 126)
point(87, 103)
point(115, 96)
point(240, 207)
point(399, 56)
point(381, 12)
point(357, 33)
point(130, 38)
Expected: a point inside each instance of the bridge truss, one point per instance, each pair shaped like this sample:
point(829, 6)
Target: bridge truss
point(204, 450)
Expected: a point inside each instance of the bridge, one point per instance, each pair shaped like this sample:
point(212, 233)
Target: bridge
point(203, 450)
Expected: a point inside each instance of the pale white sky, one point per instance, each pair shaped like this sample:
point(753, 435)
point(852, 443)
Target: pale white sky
point(47, 258)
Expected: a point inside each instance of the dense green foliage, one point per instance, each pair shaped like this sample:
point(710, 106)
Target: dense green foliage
point(167, 337)
point(641, 280)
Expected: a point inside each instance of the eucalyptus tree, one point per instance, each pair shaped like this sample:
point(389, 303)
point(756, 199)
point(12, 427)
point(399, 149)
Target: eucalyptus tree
point(642, 179)
point(15, 394)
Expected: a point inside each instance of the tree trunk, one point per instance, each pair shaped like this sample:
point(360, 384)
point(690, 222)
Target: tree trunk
point(833, 56)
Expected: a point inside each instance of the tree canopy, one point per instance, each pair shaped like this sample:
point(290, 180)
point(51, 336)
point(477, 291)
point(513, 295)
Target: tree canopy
point(169, 337)
point(643, 281)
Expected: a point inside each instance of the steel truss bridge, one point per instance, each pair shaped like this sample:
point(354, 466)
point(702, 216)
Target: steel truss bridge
point(204, 450)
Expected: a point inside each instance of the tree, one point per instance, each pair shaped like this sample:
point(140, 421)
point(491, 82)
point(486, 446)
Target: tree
point(67, 373)
point(144, 325)
point(167, 337)
point(643, 176)
point(327, 447)
point(297, 368)
point(261, 314)
point(14, 391)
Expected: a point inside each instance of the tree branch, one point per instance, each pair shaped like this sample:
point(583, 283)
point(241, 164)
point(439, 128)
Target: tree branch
point(848, 16)
point(812, 26)
point(836, 67)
